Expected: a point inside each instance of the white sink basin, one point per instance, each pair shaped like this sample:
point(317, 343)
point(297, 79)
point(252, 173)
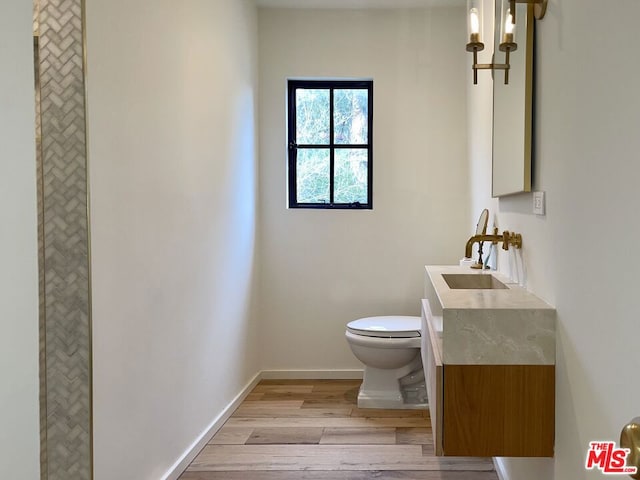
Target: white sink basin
point(461, 281)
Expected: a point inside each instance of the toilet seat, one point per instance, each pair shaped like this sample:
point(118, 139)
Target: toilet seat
point(386, 327)
point(382, 343)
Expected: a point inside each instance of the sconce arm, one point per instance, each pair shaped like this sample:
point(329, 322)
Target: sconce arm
point(539, 7)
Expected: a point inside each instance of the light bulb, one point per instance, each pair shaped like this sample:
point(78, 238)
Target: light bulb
point(509, 28)
point(474, 21)
point(474, 25)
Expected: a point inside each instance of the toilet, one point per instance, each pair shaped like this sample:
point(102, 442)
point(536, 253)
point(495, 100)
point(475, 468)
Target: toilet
point(389, 348)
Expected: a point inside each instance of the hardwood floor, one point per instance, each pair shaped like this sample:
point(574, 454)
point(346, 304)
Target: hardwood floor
point(313, 430)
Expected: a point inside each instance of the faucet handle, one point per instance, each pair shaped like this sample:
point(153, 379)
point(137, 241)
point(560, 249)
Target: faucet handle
point(513, 239)
point(516, 240)
point(506, 238)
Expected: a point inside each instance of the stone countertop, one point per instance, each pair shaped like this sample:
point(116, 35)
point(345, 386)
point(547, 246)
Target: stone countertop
point(513, 296)
point(492, 326)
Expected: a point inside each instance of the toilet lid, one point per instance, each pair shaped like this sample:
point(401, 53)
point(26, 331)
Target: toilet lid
point(386, 327)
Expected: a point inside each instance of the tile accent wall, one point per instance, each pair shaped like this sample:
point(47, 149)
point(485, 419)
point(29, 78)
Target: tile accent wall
point(65, 322)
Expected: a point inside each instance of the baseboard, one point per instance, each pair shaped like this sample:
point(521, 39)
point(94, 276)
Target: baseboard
point(312, 374)
point(500, 470)
point(187, 457)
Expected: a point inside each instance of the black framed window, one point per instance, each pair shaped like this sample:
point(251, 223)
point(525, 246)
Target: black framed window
point(330, 144)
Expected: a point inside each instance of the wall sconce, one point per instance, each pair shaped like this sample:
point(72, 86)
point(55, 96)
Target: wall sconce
point(507, 32)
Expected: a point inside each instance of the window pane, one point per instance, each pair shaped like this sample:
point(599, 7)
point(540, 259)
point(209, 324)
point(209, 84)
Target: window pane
point(350, 175)
point(351, 109)
point(312, 175)
point(312, 116)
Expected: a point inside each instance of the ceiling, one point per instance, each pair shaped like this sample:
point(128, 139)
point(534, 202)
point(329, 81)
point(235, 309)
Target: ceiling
point(358, 3)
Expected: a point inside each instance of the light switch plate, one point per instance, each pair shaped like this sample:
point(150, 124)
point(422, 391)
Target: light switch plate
point(538, 203)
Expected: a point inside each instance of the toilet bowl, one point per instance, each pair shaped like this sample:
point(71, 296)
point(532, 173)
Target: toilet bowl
point(389, 348)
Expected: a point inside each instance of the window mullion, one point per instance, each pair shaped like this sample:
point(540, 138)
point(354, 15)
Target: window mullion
point(331, 149)
point(293, 153)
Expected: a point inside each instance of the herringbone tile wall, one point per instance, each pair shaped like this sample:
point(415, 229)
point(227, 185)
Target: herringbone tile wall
point(64, 242)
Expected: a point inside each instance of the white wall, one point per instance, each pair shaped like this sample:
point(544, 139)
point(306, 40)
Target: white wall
point(19, 420)
point(582, 256)
point(173, 175)
point(323, 268)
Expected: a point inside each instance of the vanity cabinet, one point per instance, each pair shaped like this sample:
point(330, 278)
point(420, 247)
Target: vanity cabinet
point(431, 347)
point(489, 404)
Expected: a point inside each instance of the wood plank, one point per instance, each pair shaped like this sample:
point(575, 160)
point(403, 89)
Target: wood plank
point(414, 436)
point(395, 413)
point(310, 381)
point(429, 450)
point(231, 436)
point(262, 403)
point(327, 457)
point(254, 412)
point(300, 436)
point(359, 436)
point(312, 402)
point(288, 388)
point(343, 386)
point(325, 422)
point(254, 396)
point(340, 475)
point(499, 410)
point(349, 397)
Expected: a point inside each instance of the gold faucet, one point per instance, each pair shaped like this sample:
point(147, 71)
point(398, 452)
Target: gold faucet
point(507, 238)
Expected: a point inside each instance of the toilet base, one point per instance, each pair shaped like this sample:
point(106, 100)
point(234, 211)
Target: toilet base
point(382, 388)
point(387, 401)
